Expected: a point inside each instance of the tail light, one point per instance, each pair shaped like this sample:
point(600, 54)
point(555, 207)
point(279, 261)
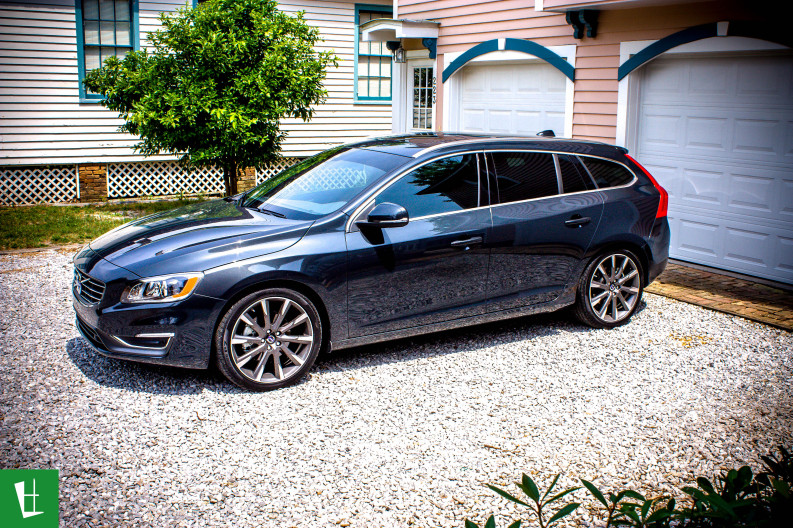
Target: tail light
point(663, 205)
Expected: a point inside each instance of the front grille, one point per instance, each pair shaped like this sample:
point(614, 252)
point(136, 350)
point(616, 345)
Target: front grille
point(88, 290)
point(91, 334)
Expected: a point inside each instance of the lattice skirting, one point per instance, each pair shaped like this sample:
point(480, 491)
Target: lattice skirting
point(29, 185)
point(159, 178)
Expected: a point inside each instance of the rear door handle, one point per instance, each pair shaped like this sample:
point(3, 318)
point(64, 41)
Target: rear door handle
point(577, 221)
point(468, 241)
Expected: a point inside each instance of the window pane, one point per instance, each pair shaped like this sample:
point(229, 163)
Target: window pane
point(122, 9)
point(90, 9)
point(449, 184)
point(108, 32)
point(363, 88)
point(607, 173)
point(106, 11)
point(122, 34)
point(108, 51)
point(385, 88)
point(572, 179)
point(91, 58)
point(91, 32)
point(524, 175)
point(120, 52)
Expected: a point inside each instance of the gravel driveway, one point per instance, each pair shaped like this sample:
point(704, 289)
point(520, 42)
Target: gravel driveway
point(399, 434)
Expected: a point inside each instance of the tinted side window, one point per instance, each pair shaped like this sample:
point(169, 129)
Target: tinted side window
point(449, 184)
point(572, 178)
point(607, 173)
point(524, 175)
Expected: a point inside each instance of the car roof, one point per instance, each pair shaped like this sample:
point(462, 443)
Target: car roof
point(433, 143)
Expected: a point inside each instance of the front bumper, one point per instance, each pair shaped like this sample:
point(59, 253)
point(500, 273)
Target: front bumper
point(176, 334)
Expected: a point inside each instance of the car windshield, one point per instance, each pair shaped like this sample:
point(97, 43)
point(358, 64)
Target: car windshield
point(321, 184)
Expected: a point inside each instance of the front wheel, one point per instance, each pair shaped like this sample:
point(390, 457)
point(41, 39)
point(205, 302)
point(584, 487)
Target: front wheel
point(268, 339)
point(609, 290)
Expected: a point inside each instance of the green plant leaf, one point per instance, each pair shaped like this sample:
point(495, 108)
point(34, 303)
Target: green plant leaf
point(469, 524)
point(516, 524)
point(530, 488)
point(564, 512)
point(595, 492)
point(705, 484)
point(507, 496)
point(561, 494)
point(490, 522)
point(633, 495)
point(550, 488)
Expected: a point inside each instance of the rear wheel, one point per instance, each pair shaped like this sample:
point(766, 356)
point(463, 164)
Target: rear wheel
point(609, 290)
point(268, 339)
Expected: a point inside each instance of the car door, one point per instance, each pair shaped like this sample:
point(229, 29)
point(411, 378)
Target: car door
point(431, 270)
point(545, 213)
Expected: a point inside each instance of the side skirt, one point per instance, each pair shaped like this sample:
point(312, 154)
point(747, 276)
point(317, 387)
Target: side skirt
point(567, 298)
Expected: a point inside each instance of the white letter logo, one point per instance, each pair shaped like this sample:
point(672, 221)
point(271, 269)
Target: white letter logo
point(20, 487)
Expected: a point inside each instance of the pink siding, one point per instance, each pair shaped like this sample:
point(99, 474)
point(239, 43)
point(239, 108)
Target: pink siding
point(465, 23)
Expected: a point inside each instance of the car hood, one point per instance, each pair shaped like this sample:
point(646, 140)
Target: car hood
point(196, 238)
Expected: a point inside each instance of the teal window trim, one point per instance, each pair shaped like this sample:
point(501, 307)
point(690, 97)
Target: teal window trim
point(356, 97)
point(78, 17)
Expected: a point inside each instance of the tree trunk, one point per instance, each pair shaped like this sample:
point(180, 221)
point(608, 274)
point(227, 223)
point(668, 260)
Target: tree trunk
point(230, 178)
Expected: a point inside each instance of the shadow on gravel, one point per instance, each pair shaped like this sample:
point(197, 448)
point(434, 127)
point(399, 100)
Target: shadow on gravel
point(141, 377)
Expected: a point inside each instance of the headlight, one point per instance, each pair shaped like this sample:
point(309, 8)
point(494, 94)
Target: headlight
point(168, 288)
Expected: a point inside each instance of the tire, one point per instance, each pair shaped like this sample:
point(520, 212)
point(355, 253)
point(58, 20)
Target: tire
point(606, 299)
point(268, 339)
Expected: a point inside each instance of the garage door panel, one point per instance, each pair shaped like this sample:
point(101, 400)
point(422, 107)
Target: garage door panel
point(739, 135)
point(724, 189)
point(754, 249)
point(473, 120)
point(512, 98)
point(708, 134)
point(699, 81)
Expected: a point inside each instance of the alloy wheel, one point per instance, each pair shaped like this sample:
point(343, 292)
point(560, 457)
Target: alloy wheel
point(271, 340)
point(614, 287)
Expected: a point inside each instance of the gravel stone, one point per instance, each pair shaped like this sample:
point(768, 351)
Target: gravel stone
point(406, 433)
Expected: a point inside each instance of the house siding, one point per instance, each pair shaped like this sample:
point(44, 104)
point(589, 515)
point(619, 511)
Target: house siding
point(465, 23)
point(42, 120)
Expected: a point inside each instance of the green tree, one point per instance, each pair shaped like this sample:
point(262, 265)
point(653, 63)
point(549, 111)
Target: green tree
point(216, 84)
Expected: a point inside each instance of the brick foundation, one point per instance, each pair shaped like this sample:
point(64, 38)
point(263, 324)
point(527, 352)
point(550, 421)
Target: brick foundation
point(93, 182)
point(246, 180)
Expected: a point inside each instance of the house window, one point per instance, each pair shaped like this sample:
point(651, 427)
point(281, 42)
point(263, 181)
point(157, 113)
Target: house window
point(105, 28)
point(372, 59)
point(423, 79)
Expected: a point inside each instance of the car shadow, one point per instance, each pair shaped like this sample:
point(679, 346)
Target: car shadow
point(155, 379)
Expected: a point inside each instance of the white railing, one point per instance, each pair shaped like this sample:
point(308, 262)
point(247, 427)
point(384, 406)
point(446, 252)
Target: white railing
point(30, 185)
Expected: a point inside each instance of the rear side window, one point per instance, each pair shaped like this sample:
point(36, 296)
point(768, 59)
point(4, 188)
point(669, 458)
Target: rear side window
point(607, 173)
point(442, 186)
point(574, 177)
point(524, 175)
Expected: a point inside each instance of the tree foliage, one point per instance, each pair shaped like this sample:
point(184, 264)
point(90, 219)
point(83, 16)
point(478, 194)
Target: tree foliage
point(217, 83)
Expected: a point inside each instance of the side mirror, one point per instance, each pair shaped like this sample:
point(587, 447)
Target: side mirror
point(385, 215)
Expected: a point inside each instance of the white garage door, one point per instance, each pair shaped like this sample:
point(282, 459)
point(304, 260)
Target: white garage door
point(717, 133)
point(512, 98)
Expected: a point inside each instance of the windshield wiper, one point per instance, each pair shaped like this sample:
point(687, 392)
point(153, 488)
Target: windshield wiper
point(269, 212)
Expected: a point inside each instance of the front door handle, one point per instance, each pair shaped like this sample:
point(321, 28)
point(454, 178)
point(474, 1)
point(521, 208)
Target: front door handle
point(577, 221)
point(468, 241)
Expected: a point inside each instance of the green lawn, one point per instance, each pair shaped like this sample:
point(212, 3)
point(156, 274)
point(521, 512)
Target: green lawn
point(48, 225)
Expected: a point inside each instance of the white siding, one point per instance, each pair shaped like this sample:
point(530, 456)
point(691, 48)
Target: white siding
point(43, 122)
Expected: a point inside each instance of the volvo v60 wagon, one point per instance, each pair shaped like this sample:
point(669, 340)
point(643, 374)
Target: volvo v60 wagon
point(373, 241)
